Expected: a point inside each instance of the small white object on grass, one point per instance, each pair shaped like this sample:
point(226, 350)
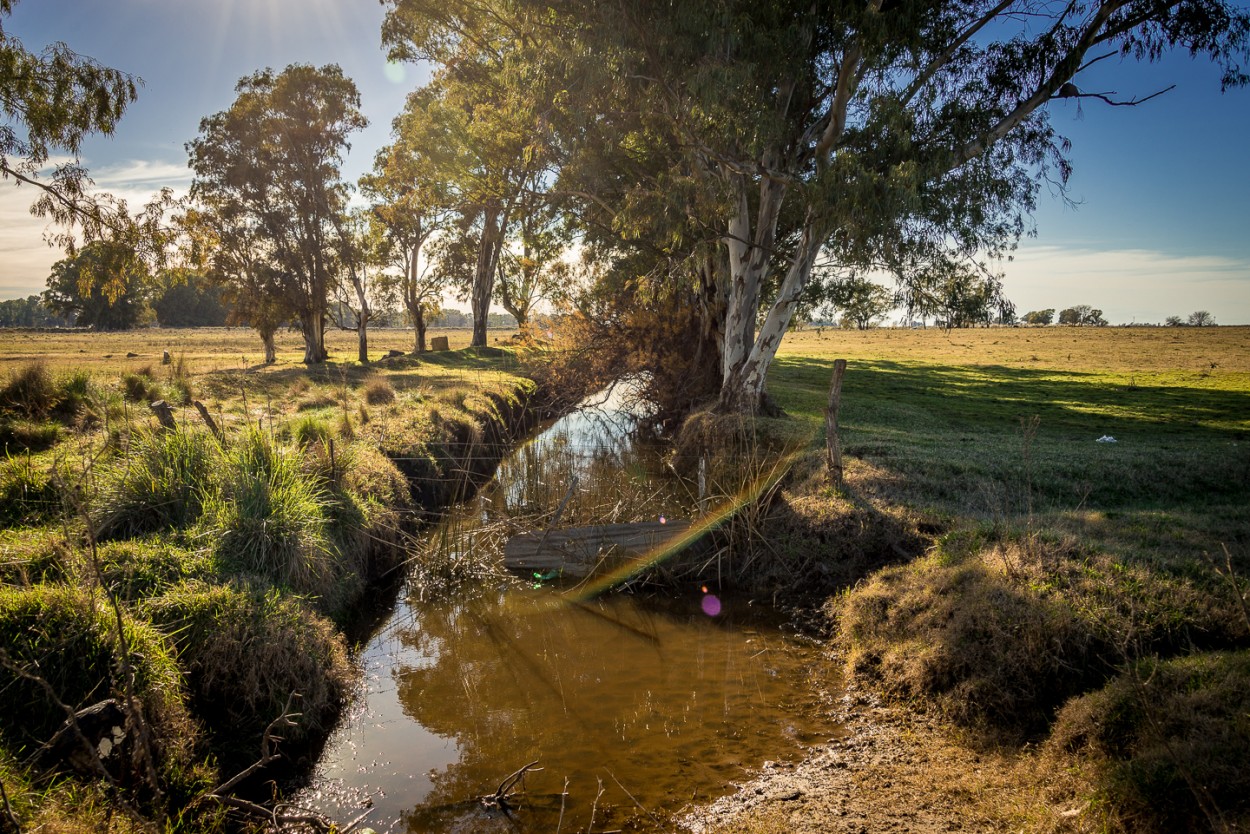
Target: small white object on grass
point(1106, 438)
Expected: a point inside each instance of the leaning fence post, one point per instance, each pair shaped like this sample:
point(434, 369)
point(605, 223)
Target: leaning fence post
point(832, 443)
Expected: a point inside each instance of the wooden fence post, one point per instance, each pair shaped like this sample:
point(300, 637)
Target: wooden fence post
point(164, 414)
point(833, 444)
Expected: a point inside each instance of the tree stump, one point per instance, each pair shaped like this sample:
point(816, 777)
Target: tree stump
point(164, 414)
point(832, 443)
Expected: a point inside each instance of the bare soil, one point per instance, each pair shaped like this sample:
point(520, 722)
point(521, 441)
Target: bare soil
point(891, 770)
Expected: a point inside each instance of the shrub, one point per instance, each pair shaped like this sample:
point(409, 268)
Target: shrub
point(379, 392)
point(163, 483)
point(245, 650)
point(1167, 743)
point(67, 637)
point(30, 392)
point(270, 517)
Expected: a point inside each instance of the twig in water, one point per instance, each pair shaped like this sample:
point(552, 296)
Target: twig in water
point(594, 807)
point(631, 796)
point(564, 795)
point(507, 788)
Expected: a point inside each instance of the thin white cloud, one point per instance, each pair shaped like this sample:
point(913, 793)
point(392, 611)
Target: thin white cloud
point(1130, 284)
point(26, 260)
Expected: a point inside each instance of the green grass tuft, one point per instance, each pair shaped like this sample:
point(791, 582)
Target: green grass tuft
point(270, 518)
point(162, 484)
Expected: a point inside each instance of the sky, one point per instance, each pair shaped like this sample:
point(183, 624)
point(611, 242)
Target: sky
point(1161, 226)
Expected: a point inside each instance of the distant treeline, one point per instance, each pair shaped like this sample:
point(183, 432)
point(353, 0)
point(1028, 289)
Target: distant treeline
point(193, 303)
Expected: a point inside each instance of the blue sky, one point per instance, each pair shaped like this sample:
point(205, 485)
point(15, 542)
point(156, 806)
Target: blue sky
point(1163, 225)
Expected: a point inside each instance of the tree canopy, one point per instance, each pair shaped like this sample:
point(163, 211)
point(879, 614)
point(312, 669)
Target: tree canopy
point(270, 201)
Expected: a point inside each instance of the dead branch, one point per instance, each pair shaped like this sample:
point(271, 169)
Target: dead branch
point(8, 810)
point(268, 754)
point(507, 789)
point(1069, 90)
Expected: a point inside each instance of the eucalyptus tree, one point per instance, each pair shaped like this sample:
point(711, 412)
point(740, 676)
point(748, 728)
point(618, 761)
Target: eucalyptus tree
point(51, 102)
point(860, 132)
point(411, 203)
point(486, 115)
point(267, 183)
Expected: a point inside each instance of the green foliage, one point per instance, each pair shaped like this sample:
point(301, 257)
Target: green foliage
point(103, 286)
point(270, 518)
point(267, 169)
point(163, 483)
point(1040, 317)
point(188, 301)
point(52, 101)
point(29, 312)
point(1082, 315)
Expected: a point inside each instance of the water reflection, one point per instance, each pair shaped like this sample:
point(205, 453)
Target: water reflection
point(631, 709)
point(656, 707)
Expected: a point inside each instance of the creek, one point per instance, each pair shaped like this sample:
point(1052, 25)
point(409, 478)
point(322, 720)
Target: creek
point(631, 706)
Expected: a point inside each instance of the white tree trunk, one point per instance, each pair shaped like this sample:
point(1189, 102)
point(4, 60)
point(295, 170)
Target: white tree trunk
point(743, 390)
point(749, 254)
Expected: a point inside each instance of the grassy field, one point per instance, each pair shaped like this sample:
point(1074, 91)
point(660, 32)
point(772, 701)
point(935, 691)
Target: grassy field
point(989, 560)
point(201, 576)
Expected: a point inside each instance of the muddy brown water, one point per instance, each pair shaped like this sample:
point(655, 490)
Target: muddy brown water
point(631, 706)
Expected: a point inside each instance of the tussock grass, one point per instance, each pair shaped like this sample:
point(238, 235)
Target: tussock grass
point(33, 555)
point(1165, 743)
point(269, 518)
point(68, 636)
point(163, 483)
point(245, 649)
point(30, 391)
point(379, 392)
point(29, 493)
point(141, 568)
point(140, 387)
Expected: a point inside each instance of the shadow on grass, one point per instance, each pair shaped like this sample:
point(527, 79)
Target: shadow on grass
point(1004, 442)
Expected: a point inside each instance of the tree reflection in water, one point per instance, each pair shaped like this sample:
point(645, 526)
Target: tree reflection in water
point(662, 706)
point(658, 705)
